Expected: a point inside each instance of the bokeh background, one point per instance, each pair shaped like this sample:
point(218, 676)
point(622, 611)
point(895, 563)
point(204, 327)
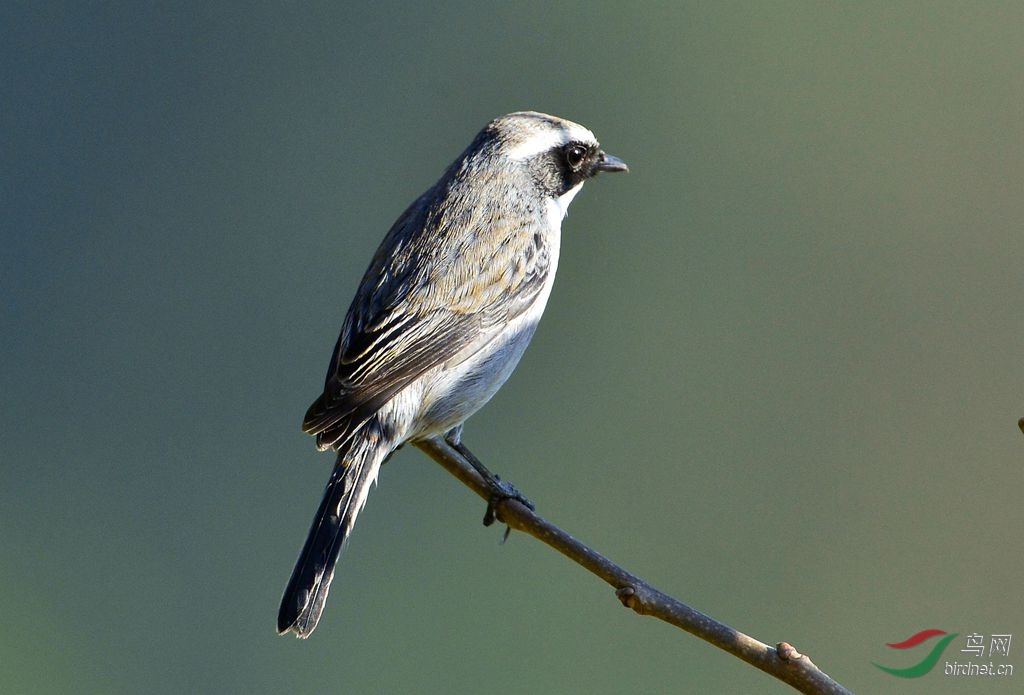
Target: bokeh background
point(779, 375)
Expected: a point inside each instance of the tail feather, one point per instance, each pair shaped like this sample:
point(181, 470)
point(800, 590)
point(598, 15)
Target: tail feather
point(346, 492)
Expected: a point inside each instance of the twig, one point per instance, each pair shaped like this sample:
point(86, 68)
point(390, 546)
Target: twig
point(782, 661)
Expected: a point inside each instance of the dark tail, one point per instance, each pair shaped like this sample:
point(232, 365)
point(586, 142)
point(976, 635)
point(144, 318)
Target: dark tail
point(306, 594)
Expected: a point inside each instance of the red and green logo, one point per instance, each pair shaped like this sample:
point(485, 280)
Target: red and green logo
point(924, 665)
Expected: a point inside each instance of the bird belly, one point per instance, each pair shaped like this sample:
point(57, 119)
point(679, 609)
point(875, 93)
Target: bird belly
point(456, 391)
point(445, 396)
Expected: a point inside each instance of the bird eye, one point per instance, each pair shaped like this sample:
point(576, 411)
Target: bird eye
point(575, 155)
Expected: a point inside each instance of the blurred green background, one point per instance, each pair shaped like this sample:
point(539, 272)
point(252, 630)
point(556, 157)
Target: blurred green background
point(778, 377)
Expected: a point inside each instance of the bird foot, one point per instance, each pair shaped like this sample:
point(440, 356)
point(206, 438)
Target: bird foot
point(501, 491)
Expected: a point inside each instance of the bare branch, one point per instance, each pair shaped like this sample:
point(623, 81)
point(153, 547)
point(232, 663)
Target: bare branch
point(782, 661)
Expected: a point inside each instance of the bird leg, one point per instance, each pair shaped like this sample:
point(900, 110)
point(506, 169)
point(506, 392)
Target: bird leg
point(500, 490)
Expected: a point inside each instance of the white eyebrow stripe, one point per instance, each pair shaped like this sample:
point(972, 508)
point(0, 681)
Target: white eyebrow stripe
point(548, 139)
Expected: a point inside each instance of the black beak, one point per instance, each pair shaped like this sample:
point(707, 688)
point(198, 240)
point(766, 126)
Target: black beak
point(607, 162)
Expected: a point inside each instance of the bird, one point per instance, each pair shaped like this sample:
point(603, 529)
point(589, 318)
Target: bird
point(440, 319)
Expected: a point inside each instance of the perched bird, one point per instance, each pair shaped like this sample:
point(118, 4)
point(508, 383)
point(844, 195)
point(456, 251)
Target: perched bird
point(440, 319)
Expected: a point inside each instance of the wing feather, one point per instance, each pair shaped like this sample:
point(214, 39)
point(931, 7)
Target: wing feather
point(438, 284)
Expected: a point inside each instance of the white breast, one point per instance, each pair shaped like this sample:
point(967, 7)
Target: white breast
point(446, 397)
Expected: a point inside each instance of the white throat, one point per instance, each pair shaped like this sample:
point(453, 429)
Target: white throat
point(561, 203)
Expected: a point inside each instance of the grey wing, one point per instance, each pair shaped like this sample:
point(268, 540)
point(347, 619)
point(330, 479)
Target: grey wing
point(422, 302)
